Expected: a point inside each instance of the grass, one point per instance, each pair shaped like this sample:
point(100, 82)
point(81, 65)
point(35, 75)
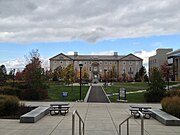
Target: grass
point(131, 98)
point(55, 92)
point(130, 87)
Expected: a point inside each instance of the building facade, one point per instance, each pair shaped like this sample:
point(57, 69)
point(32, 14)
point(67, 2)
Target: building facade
point(99, 66)
point(174, 64)
point(159, 59)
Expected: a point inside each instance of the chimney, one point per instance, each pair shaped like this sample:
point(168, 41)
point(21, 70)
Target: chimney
point(75, 53)
point(115, 54)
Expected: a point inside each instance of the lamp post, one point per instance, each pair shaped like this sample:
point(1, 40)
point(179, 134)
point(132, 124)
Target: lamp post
point(105, 75)
point(13, 76)
point(80, 66)
point(124, 75)
point(111, 77)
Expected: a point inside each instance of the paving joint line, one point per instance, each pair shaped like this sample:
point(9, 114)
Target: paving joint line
point(111, 118)
point(59, 123)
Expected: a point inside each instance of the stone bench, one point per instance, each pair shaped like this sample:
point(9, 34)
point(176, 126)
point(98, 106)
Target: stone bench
point(165, 118)
point(34, 115)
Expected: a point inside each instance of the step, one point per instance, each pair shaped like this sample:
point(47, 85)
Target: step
point(165, 118)
point(34, 115)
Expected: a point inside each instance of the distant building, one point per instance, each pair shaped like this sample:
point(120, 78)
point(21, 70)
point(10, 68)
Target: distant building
point(98, 66)
point(174, 64)
point(159, 59)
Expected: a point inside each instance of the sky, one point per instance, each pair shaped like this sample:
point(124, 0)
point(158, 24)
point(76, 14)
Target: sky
point(87, 27)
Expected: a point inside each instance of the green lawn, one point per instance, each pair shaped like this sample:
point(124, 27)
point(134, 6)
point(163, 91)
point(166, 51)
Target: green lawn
point(55, 92)
point(130, 87)
point(131, 98)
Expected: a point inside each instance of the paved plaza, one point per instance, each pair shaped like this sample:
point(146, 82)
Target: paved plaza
point(100, 119)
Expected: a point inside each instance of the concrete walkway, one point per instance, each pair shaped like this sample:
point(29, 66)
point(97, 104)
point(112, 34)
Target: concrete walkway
point(100, 119)
point(97, 95)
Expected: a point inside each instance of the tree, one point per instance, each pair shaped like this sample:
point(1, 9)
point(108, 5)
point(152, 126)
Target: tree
point(146, 78)
point(33, 75)
point(142, 73)
point(69, 74)
point(113, 72)
point(137, 77)
point(19, 75)
point(156, 90)
point(33, 72)
point(3, 73)
point(165, 70)
point(58, 74)
point(85, 74)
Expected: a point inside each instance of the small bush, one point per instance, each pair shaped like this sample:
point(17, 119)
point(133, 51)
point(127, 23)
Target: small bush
point(153, 96)
point(172, 93)
point(34, 94)
point(8, 105)
point(171, 105)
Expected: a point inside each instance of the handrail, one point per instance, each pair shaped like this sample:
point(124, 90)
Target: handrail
point(80, 121)
point(127, 119)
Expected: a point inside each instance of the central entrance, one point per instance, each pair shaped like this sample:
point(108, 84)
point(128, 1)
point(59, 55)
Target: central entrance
point(95, 72)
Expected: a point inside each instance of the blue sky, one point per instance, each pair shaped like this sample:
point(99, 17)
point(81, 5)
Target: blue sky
point(123, 46)
point(132, 26)
point(142, 47)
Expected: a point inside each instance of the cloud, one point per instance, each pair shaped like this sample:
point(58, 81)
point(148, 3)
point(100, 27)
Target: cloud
point(17, 64)
point(103, 53)
point(145, 56)
point(90, 20)
point(20, 63)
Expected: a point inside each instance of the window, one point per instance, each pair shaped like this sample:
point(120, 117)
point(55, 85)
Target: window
point(130, 69)
point(124, 62)
point(137, 62)
point(130, 62)
point(89, 68)
point(67, 62)
point(95, 68)
point(124, 70)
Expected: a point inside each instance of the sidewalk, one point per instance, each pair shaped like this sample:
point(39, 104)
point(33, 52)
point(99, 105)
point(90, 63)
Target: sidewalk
point(100, 119)
point(97, 95)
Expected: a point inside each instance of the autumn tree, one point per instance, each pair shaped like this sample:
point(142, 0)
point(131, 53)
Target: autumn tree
point(165, 70)
point(32, 74)
point(33, 71)
point(19, 75)
point(113, 72)
point(69, 74)
point(58, 74)
point(85, 74)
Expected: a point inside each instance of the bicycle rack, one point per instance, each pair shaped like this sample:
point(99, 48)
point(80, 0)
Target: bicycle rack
point(80, 121)
point(142, 124)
